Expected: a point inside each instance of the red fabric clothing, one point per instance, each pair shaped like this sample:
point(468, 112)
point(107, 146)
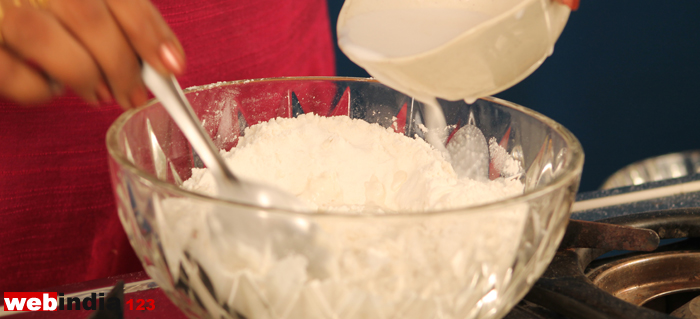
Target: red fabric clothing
point(58, 222)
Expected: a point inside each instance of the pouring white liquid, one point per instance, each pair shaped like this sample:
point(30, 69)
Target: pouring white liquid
point(452, 50)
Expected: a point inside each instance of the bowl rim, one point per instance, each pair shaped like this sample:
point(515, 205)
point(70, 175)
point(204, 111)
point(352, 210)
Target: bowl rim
point(575, 165)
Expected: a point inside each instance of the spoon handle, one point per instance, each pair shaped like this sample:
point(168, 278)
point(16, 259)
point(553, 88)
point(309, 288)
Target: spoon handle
point(168, 91)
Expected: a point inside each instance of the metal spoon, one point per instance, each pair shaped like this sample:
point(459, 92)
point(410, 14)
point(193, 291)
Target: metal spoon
point(170, 95)
point(468, 150)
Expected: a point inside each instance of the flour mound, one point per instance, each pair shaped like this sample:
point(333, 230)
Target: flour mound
point(342, 164)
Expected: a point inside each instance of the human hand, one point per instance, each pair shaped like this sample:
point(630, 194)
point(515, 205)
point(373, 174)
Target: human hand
point(91, 46)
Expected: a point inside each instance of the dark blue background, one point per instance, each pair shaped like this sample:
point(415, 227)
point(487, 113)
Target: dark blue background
point(624, 78)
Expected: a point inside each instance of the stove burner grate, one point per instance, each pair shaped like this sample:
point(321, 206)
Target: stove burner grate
point(578, 286)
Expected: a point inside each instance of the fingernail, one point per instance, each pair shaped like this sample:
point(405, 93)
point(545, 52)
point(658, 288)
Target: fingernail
point(103, 93)
point(172, 58)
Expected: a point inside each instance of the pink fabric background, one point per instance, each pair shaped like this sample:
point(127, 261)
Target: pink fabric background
point(58, 221)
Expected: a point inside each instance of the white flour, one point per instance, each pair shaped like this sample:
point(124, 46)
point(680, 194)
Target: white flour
point(409, 266)
point(341, 164)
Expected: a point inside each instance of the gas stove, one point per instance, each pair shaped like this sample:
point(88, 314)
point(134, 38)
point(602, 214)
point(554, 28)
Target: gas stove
point(639, 259)
point(640, 281)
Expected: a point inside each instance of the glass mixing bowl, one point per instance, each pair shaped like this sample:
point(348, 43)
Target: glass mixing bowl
point(222, 259)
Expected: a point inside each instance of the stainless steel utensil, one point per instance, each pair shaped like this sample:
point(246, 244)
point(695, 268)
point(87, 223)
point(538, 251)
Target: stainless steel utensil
point(168, 91)
point(469, 152)
point(657, 168)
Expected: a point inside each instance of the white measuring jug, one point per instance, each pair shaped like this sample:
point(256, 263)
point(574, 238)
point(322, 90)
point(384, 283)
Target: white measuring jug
point(451, 49)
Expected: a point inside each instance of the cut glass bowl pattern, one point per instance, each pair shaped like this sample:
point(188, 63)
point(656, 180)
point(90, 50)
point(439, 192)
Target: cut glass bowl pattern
point(218, 259)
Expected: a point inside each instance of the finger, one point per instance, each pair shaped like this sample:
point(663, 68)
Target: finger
point(21, 83)
point(37, 36)
point(150, 36)
point(93, 25)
